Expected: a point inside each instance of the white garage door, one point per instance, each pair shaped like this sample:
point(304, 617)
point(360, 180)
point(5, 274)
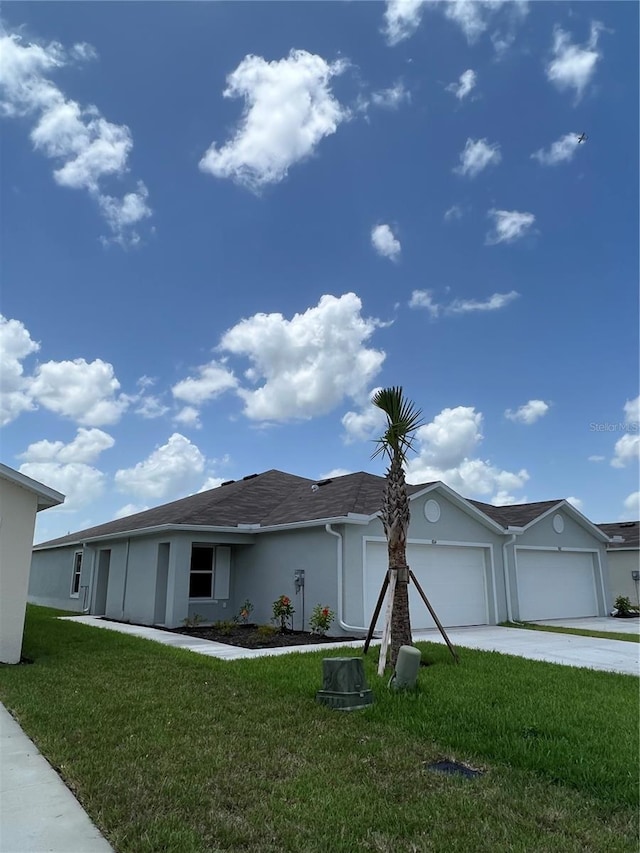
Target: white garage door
point(555, 585)
point(453, 579)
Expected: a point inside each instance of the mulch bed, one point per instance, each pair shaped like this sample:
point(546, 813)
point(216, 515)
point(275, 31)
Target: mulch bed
point(248, 637)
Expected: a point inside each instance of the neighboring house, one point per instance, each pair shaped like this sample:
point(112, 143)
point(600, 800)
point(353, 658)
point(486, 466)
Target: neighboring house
point(20, 499)
point(207, 553)
point(624, 558)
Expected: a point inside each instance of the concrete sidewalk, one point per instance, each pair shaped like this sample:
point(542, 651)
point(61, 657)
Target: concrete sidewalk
point(38, 813)
point(565, 649)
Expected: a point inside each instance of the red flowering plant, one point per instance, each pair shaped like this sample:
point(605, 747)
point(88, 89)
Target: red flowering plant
point(245, 612)
point(321, 620)
point(283, 611)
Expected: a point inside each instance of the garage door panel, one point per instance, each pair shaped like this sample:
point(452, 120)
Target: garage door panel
point(452, 577)
point(555, 585)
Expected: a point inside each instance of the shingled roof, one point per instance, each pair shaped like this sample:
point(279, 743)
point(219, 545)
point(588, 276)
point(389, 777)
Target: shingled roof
point(273, 497)
point(628, 530)
point(516, 515)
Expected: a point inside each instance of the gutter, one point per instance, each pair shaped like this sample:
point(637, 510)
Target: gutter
point(505, 569)
point(341, 621)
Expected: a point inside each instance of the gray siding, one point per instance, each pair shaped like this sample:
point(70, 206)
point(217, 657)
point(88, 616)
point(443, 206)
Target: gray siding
point(621, 564)
point(50, 579)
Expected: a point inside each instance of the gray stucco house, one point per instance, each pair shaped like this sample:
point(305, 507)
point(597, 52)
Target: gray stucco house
point(623, 552)
point(207, 553)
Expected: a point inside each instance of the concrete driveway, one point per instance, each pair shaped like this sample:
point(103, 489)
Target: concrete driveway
point(597, 623)
point(566, 649)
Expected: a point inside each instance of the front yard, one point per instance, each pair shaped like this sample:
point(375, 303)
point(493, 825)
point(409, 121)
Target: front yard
point(171, 751)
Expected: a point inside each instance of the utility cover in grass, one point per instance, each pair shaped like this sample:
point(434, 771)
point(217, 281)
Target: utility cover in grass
point(452, 768)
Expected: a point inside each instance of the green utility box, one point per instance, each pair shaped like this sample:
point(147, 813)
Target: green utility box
point(344, 686)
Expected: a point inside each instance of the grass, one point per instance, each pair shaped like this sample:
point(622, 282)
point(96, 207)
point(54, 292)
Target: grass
point(172, 751)
point(581, 632)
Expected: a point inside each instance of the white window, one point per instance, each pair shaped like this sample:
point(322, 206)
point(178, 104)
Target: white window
point(77, 571)
point(209, 572)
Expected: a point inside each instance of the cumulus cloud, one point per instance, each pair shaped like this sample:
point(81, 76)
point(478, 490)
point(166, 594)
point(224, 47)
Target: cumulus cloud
point(333, 473)
point(626, 450)
point(367, 423)
point(476, 156)
point(150, 407)
point(572, 66)
point(212, 380)
point(632, 507)
point(576, 502)
point(425, 299)
point(211, 483)
point(81, 390)
point(445, 452)
point(384, 242)
point(503, 498)
point(87, 148)
point(529, 413)
point(632, 411)
point(308, 364)
point(561, 151)
point(401, 19)
point(80, 483)
point(392, 97)
point(172, 470)
point(509, 226)
point(85, 447)
point(465, 84)
point(189, 416)
point(15, 346)
point(289, 109)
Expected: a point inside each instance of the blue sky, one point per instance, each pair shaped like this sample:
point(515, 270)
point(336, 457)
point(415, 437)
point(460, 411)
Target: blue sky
point(225, 224)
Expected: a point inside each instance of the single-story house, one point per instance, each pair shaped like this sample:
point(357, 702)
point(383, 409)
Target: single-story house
point(20, 499)
point(252, 538)
point(623, 553)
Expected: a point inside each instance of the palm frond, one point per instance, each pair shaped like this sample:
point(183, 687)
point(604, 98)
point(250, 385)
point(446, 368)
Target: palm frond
point(403, 419)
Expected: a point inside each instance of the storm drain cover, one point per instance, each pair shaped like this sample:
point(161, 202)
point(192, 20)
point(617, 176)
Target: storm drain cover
point(452, 768)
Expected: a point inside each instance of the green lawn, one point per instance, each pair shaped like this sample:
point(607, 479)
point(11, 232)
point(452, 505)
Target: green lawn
point(581, 632)
point(172, 751)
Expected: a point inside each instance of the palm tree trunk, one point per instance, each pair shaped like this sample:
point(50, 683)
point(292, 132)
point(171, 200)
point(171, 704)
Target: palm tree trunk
point(395, 519)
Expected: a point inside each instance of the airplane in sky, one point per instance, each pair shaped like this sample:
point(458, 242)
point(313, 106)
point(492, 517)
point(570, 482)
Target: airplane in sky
point(583, 137)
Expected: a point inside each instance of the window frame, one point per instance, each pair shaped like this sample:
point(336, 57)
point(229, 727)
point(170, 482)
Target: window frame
point(76, 574)
point(211, 572)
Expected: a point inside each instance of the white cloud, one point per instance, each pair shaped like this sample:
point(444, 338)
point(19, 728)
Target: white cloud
point(626, 450)
point(561, 151)
point(79, 390)
point(15, 346)
point(529, 413)
point(85, 447)
point(494, 303)
point(172, 470)
point(211, 483)
point(309, 363)
point(632, 410)
point(632, 507)
point(572, 66)
point(476, 156)
point(384, 242)
point(401, 19)
point(213, 379)
point(596, 458)
point(392, 97)
point(465, 84)
point(445, 448)
point(128, 509)
point(471, 15)
point(365, 424)
point(509, 225)
point(425, 299)
point(576, 502)
point(150, 406)
point(87, 147)
point(189, 416)
point(333, 473)
point(289, 109)
point(454, 212)
point(80, 483)
point(503, 498)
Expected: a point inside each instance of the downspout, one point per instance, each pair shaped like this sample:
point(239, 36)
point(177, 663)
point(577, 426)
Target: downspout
point(89, 592)
point(126, 574)
point(505, 569)
point(343, 624)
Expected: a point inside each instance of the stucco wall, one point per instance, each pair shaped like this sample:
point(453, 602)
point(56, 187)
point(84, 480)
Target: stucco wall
point(18, 508)
point(51, 576)
point(266, 571)
point(621, 564)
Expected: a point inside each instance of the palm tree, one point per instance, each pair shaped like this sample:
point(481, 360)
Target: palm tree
point(403, 419)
